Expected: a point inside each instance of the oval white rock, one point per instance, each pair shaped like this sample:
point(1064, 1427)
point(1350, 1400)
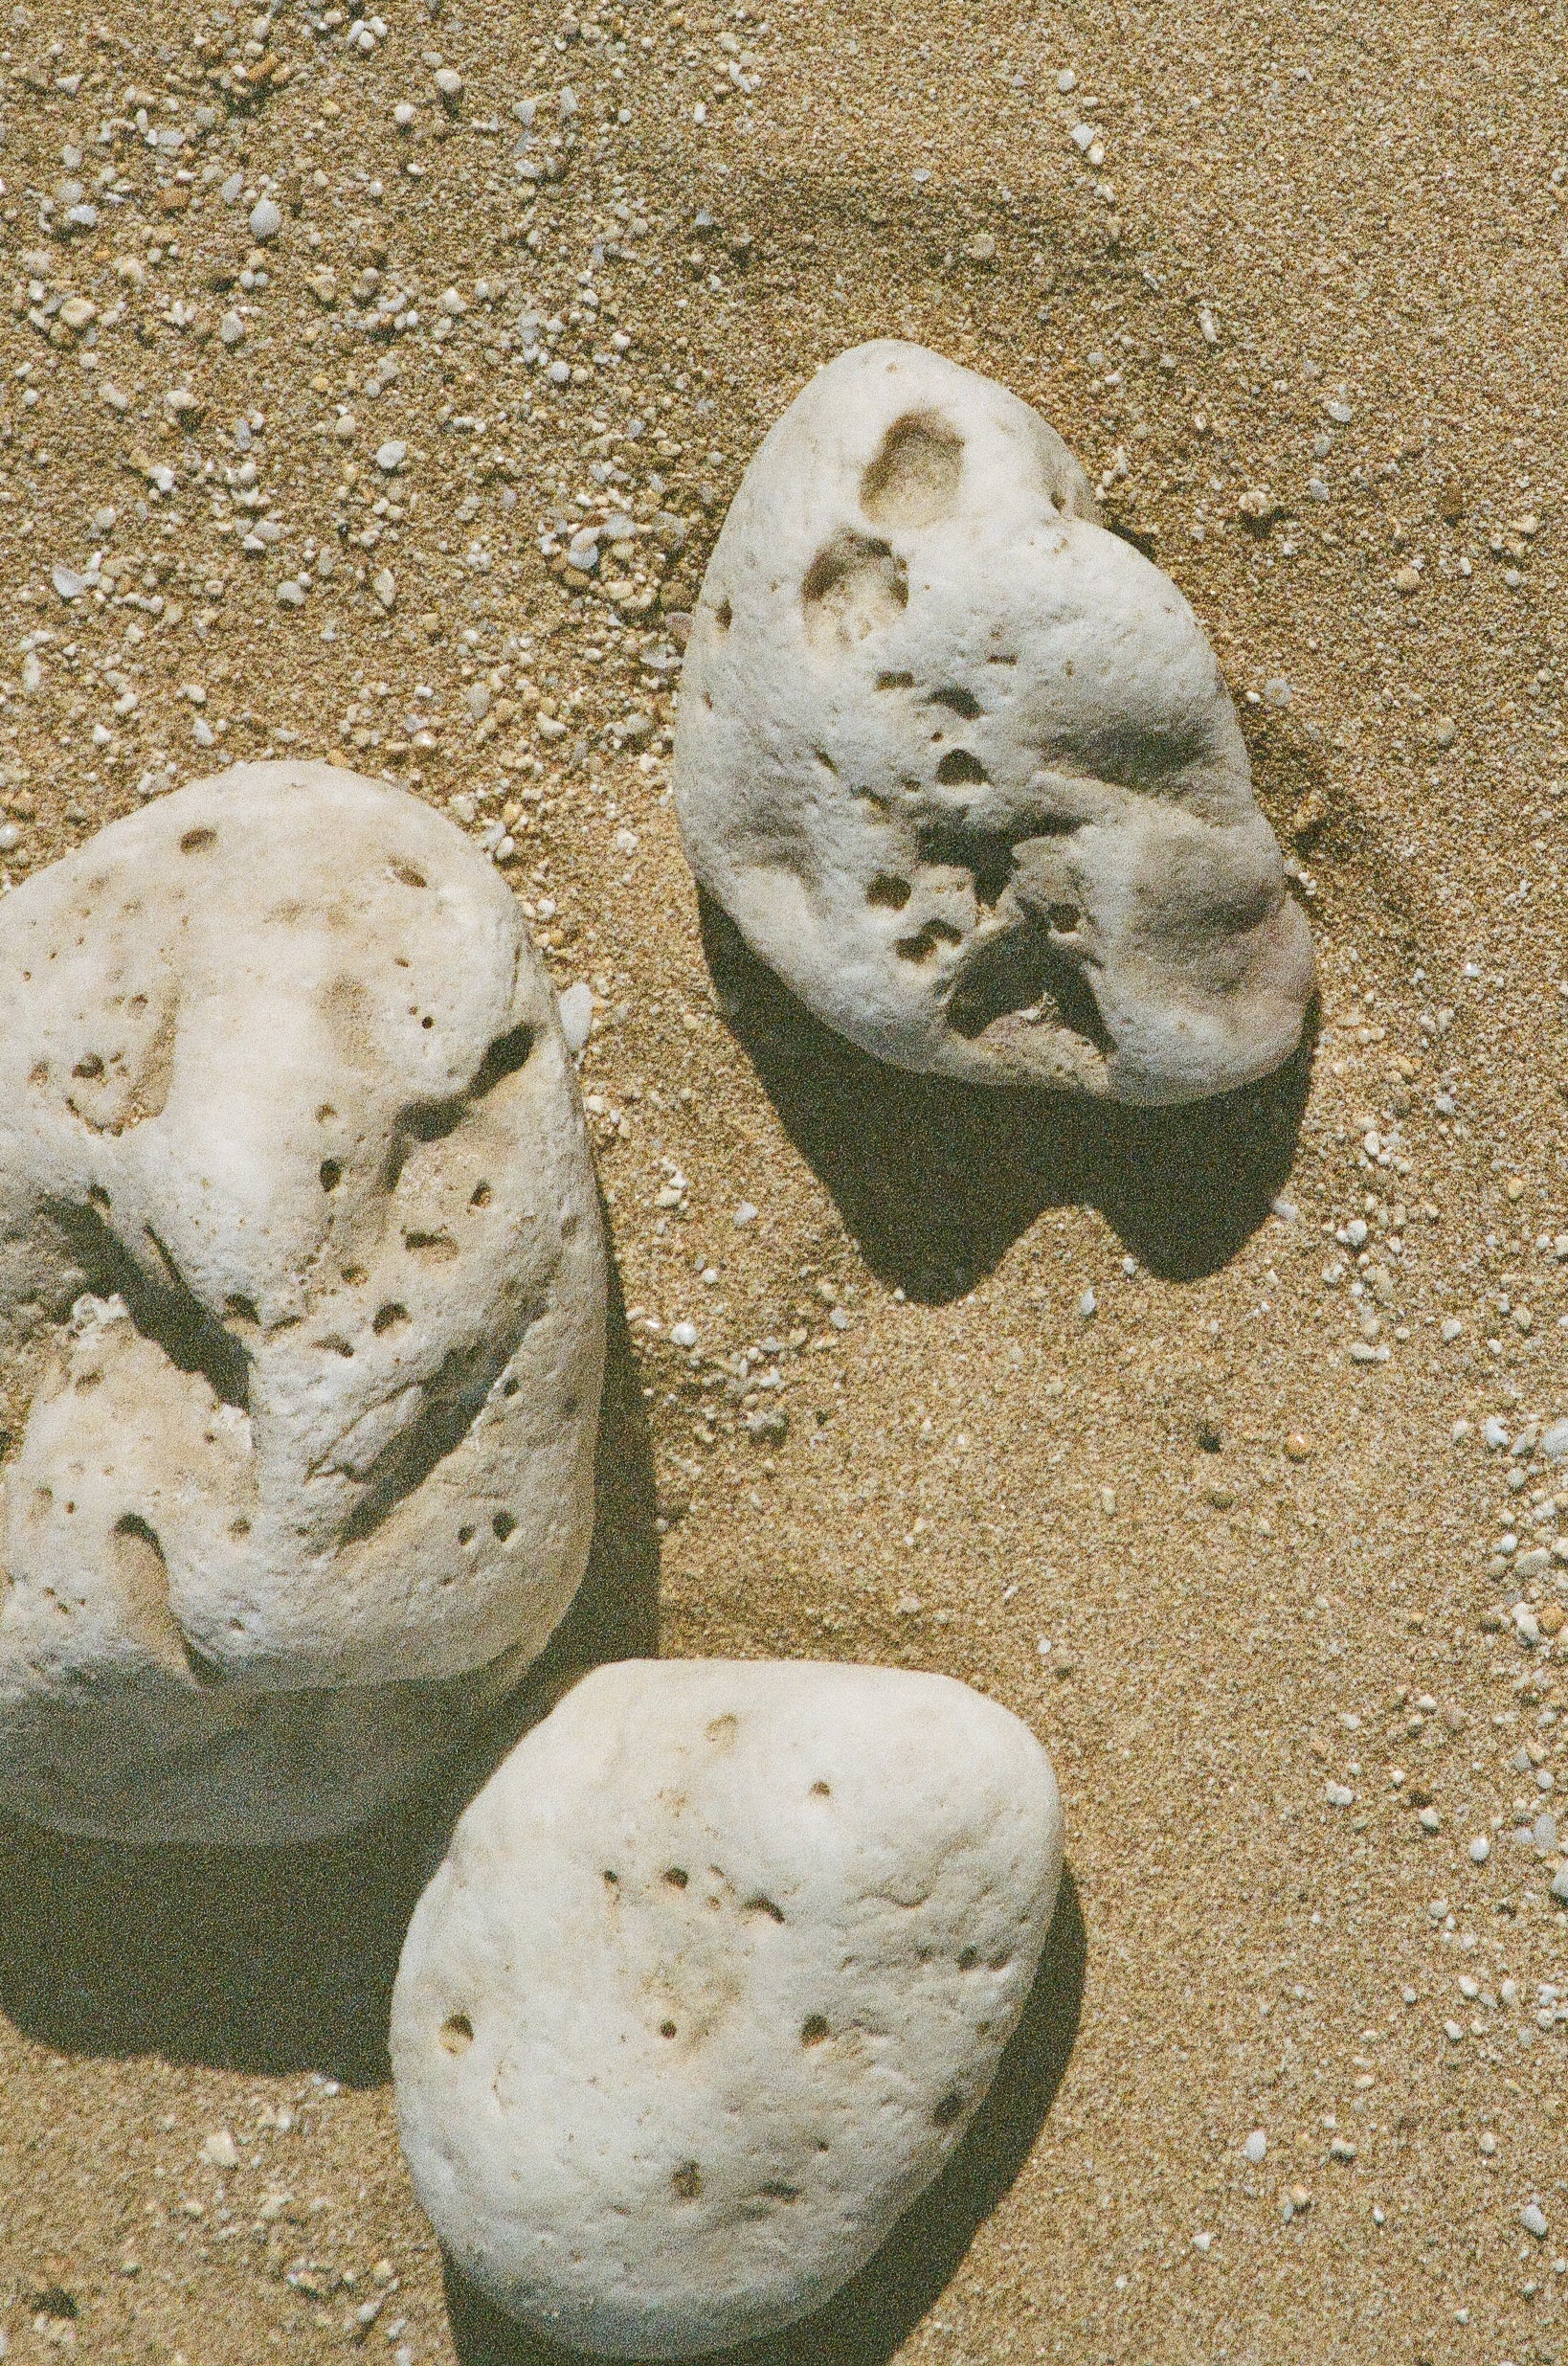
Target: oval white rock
point(301, 1311)
point(717, 1970)
point(960, 763)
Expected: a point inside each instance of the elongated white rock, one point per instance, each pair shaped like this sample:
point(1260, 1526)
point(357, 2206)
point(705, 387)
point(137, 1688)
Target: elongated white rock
point(961, 765)
point(718, 1967)
point(302, 1293)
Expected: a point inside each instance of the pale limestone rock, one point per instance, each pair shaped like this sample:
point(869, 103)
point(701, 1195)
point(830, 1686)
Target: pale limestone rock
point(301, 1309)
point(960, 763)
point(718, 1967)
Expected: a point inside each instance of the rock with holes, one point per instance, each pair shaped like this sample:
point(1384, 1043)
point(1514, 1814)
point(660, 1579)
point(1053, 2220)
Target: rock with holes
point(961, 765)
point(301, 1311)
point(717, 1970)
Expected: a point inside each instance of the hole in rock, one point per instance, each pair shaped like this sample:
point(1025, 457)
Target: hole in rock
point(895, 682)
point(687, 2181)
point(677, 1877)
point(435, 1248)
point(968, 1958)
point(331, 1172)
point(453, 1398)
point(948, 2108)
point(813, 2029)
point(480, 1196)
point(723, 615)
point(923, 942)
point(666, 2029)
point(409, 876)
point(890, 893)
point(241, 1309)
point(854, 587)
point(985, 854)
point(961, 765)
point(502, 1526)
point(957, 700)
point(197, 842)
point(162, 1309)
point(1020, 971)
point(759, 1905)
point(457, 2033)
point(913, 480)
point(1064, 918)
point(88, 1066)
point(389, 1316)
point(775, 2190)
point(821, 1791)
point(141, 1575)
point(466, 1534)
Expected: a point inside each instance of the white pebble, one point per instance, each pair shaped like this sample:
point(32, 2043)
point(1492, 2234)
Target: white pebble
point(391, 456)
point(221, 2151)
point(1532, 2219)
point(266, 219)
point(1480, 1849)
point(683, 1334)
point(1256, 2147)
point(576, 1008)
point(746, 1213)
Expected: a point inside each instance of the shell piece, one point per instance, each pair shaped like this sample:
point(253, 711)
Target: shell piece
point(718, 1967)
point(301, 1309)
point(961, 765)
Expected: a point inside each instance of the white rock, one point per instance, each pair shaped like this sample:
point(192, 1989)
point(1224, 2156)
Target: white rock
point(389, 457)
point(266, 219)
point(961, 762)
point(718, 1967)
point(302, 1296)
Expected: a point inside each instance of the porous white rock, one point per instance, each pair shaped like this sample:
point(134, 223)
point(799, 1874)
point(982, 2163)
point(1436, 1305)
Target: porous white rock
point(716, 1971)
point(960, 763)
point(301, 1309)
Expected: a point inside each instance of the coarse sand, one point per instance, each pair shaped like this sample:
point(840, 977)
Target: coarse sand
point(1169, 1430)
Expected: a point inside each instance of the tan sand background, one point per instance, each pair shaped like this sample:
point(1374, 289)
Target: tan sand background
point(1290, 208)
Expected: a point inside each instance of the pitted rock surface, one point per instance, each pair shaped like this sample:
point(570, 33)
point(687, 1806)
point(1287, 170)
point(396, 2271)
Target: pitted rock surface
point(961, 765)
point(717, 1970)
point(301, 1309)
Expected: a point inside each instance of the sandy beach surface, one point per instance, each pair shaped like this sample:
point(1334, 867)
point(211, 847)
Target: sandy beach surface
point(1168, 1431)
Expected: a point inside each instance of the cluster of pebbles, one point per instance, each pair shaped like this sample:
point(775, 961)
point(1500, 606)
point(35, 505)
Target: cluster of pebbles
point(302, 1338)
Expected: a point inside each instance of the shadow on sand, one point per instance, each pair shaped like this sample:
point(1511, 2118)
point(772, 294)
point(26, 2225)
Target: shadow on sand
point(936, 1181)
point(279, 1959)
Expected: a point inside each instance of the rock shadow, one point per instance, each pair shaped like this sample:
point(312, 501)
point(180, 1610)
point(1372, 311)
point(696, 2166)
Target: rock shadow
point(274, 1960)
point(869, 2320)
point(936, 1180)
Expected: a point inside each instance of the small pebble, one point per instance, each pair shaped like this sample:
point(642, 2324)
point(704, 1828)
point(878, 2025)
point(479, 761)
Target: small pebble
point(576, 1009)
point(683, 1334)
point(266, 220)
